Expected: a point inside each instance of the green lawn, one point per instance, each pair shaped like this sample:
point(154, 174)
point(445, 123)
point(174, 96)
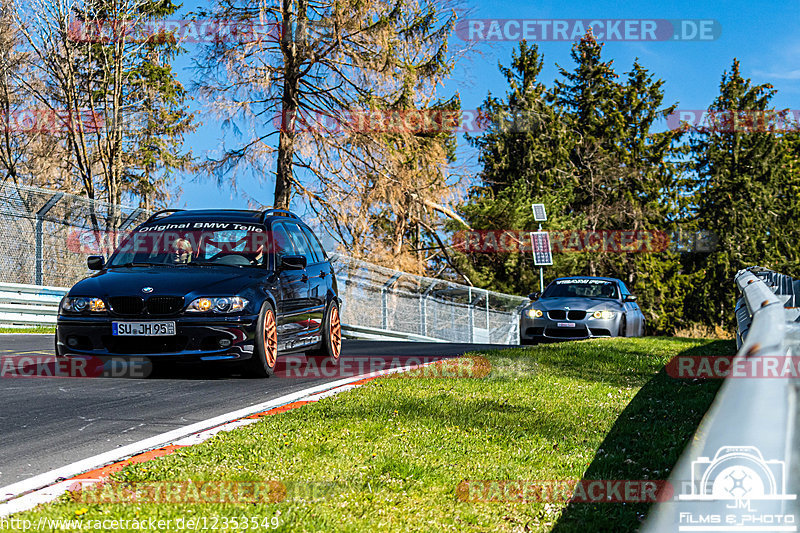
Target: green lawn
point(34, 329)
point(389, 455)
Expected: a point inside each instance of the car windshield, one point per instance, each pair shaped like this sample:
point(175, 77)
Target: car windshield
point(581, 288)
point(195, 242)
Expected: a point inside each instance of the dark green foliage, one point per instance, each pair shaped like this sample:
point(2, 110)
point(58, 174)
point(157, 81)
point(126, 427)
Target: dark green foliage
point(590, 156)
point(746, 192)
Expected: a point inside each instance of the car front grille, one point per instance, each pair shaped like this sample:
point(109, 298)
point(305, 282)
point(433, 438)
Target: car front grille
point(164, 305)
point(558, 314)
point(156, 305)
point(127, 305)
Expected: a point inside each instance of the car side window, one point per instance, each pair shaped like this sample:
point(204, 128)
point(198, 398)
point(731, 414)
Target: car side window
point(281, 243)
point(625, 292)
point(300, 243)
point(315, 245)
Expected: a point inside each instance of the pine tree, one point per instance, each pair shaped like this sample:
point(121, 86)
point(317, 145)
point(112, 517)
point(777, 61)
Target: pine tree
point(746, 194)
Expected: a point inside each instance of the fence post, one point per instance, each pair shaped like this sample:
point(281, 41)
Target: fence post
point(471, 316)
point(38, 266)
point(384, 302)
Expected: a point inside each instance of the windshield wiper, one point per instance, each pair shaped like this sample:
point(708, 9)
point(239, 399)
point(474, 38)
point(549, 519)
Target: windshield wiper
point(132, 264)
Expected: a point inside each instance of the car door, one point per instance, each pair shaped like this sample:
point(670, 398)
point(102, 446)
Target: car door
point(632, 312)
point(314, 304)
point(292, 315)
point(320, 281)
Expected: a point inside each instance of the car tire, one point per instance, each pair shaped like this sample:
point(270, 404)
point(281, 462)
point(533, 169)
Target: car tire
point(56, 351)
point(265, 351)
point(331, 346)
point(528, 342)
point(623, 327)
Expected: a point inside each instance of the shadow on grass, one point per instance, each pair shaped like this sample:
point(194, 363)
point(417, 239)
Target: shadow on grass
point(645, 443)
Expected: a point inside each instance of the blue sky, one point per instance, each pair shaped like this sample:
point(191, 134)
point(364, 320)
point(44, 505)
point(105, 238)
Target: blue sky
point(763, 36)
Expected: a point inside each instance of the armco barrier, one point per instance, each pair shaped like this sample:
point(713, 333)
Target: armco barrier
point(741, 471)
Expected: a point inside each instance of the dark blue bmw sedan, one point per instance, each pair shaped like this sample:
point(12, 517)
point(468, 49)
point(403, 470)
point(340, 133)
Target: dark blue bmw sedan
point(207, 285)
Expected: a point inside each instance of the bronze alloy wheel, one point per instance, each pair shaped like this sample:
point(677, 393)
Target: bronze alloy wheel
point(270, 338)
point(265, 352)
point(331, 345)
point(335, 332)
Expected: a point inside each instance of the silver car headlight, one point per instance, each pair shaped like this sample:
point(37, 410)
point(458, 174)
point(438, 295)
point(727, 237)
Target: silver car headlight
point(604, 315)
point(534, 313)
point(234, 304)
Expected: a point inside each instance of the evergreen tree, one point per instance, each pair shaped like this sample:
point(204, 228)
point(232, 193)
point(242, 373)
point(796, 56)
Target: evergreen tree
point(746, 194)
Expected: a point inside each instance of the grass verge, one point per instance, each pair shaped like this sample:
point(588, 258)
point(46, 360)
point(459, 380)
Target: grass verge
point(389, 455)
point(35, 329)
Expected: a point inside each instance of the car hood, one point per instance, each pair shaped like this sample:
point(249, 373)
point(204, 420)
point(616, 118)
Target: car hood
point(167, 281)
point(577, 304)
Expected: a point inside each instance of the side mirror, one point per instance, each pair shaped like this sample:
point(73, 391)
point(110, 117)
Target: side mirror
point(95, 262)
point(534, 296)
point(293, 262)
point(630, 298)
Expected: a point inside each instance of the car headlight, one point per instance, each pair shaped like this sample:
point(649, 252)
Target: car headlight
point(605, 315)
point(233, 304)
point(534, 313)
point(82, 305)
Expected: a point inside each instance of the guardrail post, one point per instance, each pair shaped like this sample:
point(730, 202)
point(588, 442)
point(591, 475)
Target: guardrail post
point(38, 266)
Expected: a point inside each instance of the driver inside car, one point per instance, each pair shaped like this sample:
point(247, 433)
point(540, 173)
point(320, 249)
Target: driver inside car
point(181, 251)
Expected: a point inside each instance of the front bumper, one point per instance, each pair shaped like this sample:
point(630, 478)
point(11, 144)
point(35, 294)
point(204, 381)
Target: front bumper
point(195, 339)
point(537, 329)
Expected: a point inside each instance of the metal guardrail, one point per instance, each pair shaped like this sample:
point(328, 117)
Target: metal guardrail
point(747, 442)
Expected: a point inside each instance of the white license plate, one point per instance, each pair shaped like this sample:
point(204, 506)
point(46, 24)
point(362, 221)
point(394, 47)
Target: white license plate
point(566, 324)
point(142, 329)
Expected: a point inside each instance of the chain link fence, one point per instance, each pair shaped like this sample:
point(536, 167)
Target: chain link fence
point(48, 236)
point(46, 233)
point(390, 300)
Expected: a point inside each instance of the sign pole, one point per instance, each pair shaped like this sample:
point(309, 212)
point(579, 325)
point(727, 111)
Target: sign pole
point(543, 256)
point(541, 273)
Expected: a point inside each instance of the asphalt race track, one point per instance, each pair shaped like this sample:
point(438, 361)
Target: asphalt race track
point(48, 422)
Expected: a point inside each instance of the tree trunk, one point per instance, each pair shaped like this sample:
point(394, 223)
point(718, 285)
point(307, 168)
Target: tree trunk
point(289, 102)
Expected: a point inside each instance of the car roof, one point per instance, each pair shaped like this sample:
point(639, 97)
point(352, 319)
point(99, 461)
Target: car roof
point(590, 277)
point(220, 215)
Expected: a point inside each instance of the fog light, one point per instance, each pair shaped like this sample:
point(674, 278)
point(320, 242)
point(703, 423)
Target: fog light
point(224, 343)
point(72, 342)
